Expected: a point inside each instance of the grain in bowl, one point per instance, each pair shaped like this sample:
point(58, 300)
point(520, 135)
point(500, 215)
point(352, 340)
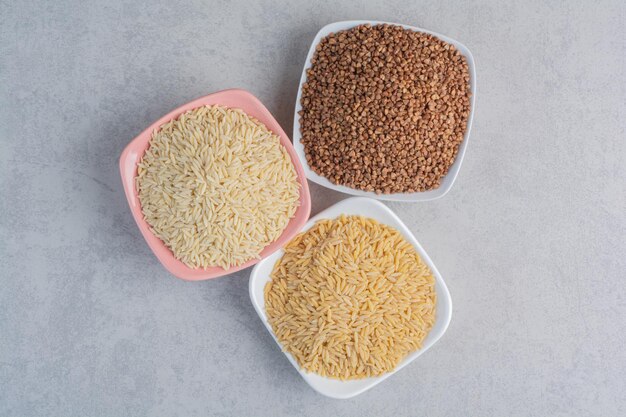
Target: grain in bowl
point(385, 108)
point(216, 186)
point(350, 298)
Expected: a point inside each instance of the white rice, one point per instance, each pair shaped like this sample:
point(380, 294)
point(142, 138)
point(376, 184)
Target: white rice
point(216, 186)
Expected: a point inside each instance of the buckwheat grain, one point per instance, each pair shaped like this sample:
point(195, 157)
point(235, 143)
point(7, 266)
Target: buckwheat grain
point(384, 109)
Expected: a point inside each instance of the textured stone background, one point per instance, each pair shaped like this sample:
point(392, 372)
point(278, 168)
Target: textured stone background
point(531, 240)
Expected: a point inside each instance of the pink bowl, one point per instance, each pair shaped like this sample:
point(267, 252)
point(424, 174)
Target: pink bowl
point(234, 98)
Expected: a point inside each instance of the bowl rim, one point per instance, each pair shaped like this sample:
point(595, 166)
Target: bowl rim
point(444, 300)
point(448, 179)
point(132, 153)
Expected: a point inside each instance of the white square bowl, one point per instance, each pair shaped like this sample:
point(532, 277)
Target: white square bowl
point(448, 180)
point(335, 388)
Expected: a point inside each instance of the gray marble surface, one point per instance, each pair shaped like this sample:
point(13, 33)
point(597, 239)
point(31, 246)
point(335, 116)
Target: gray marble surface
point(531, 240)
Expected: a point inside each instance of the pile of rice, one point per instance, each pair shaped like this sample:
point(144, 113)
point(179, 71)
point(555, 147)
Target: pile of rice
point(216, 186)
point(350, 298)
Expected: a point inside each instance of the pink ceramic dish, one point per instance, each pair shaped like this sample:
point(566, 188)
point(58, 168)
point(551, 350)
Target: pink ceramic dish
point(235, 98)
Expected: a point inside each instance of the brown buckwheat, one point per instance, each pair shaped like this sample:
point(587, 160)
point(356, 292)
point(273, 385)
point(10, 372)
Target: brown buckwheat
point(384, 109)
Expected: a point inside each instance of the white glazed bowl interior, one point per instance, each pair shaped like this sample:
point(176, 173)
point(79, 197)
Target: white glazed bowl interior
point(374, 209)
point(447, 181)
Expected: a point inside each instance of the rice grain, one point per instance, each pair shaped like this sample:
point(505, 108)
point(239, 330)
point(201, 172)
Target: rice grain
point(216, 186)
point(350, 298)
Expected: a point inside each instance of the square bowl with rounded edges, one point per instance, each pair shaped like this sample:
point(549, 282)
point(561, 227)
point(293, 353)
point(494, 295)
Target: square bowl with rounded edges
point(448, 180)
point(236, 99)
point(367, 207)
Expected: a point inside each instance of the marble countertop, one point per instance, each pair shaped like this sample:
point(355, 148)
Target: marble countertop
point(531, 239)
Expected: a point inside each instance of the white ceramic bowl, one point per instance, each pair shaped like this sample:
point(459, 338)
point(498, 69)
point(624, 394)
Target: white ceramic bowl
point(447, 181)
point(374, 209)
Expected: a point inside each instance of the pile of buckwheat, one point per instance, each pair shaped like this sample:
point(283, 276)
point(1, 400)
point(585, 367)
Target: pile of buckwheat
point(384, 109)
